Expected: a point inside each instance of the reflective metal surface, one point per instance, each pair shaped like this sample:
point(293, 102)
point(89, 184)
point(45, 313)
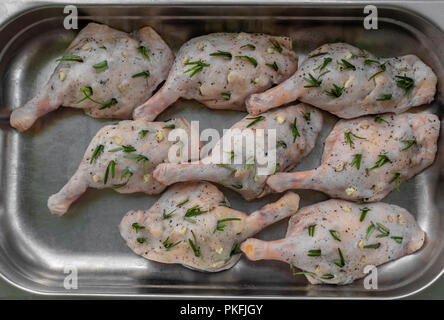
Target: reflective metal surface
point(36, 247)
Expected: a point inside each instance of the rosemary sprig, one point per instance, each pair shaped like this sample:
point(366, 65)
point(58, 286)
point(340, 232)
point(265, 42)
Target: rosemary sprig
point(70, 57)
point(294, 130)
point(395, 179)
point(192, 212)
point(313, 82)
point(311, 230)
point(379, 120)
point(314, 253)
point(384, 231)
point(383, 159)
point(363, 213)
point(101, 66)
point(336, 92)
point(384, 97)
point(193, 245)
point(370, 230)
point(111, 167)
point(341, 262)
point(224, 54)
point(346, 65)
point(406, 83)
point(276, 45)
point(142, 50)
point(141, 240)
point(137, 227)
point(348, 138)
point(361, 54)
point(327, 276)
point(306, 115)
point(255, 120)
point(198, 66)
point(248, 45)
point(168, 245)
point(317, 55)
point(383, 68)
point(170, 126)
point(372, 246)
point(168, 215)
point(335, 235)
point(273, 65)
point(237, 186)
point(220, 226)
point(124, 148)
point(144, 74)
point(126, 172)
point(324, 64)
point(357, 160)
point(249, 59)
point(109, 104)
point(97, 151)
point(410, 143)
point(226, 95)
point(182, 203)
point(370, 61)
point(143, 133)
point(397, 239)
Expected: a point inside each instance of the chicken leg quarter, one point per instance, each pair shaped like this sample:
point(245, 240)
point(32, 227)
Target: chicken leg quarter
point(350, 82)
point(296, 127)
point(121, 157)
point(366, 158)
point(333, 241)
point(192, 225)
point(222, 69)
point(104, 71)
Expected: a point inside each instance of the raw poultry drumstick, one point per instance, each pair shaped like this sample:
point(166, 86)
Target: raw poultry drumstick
point(366, 158)
point(192, 224)
point(349, 82)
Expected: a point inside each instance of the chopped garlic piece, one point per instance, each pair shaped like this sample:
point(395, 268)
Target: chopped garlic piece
point(361, 245)
point(379, 79)
point(270, 50)
point(96, 178)
point(390, 218)
point(217, 263)
point(117, 140)
point(62, 75)
point(348, 55)
point(348, 83)
point(186, 60)
point(400, 221)
point(346, 209)
point(350, 191)
point(230, 76)
point(146, 177)
point(124, 54)
point(240, 36)
point(238, 173)
point(317, 269)
point(363, 259)
point(183, 230)
point(256, 80)
point(219, 250)
point(86, 47)
point(364, 125)
point(404, 69)
point(160, 136)
point(120, 87)
point(340, 167)
point(201, 46)
point(280, 119)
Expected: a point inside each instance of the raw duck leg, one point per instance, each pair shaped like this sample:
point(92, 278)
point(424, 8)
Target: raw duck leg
point(366, 158)
point(350, 82)
point(105, 72)
point(221, 69)
point(192, 225)
point(333, 241)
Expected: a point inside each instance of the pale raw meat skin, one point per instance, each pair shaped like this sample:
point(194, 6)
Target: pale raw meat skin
point(154, 146)
point(215, 245)
point(338, 178)
point(344, 218)
point(231, 175)
point(360, 93)
point(237, 77)
point(94, 44)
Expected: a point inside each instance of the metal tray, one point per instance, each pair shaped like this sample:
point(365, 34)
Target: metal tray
point(36, 247)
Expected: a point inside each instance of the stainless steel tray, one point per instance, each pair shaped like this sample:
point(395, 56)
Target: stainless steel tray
point(36, 247)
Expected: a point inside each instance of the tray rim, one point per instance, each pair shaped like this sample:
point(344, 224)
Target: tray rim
point(28, 6)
